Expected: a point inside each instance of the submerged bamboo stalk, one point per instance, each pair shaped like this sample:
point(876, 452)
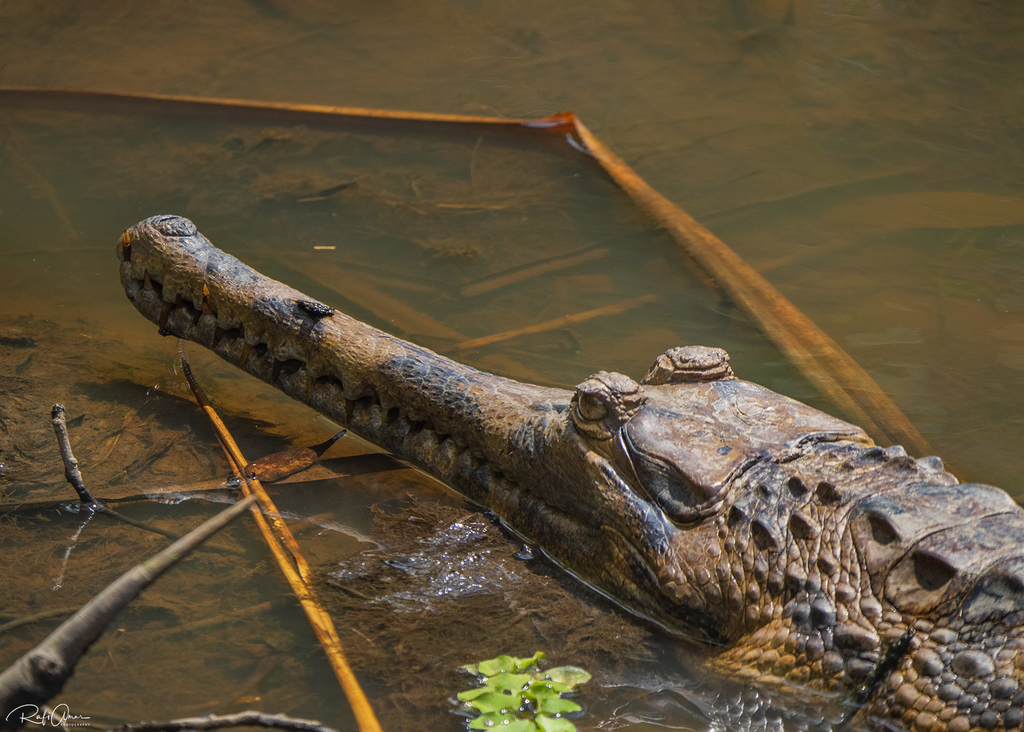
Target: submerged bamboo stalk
point(357, 290)
point(556, 323)
point(502, 280)
point(296, 570)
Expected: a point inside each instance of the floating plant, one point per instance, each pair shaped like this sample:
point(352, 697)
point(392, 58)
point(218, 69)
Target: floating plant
point(515, 695)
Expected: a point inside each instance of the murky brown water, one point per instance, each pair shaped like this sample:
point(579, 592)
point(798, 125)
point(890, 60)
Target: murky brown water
point(866, 157)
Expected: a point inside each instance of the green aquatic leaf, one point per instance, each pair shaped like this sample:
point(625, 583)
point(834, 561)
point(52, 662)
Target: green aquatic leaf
point(557, 705)
point(571, 676)
point(495, 701)
point(512, 683)
point(514, 690)
point(524, 663)
point(492, 719)
point(556, 686)
point(537, 695)
point(554, 724)
point(502, 665)
point(499, 665)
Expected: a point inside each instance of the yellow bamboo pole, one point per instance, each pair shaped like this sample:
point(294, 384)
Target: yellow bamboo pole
point(298, 574)
point(252, 105)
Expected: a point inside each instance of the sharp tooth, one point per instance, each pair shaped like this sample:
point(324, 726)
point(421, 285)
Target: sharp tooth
point(146, 282)
point(310, 382)
point(245, 355)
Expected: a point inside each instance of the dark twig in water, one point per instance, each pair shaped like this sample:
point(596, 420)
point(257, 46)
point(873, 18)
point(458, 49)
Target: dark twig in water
point(74, 476)
point(71, 472)
point(241, 719)
point(40, 674)
point(231, 698)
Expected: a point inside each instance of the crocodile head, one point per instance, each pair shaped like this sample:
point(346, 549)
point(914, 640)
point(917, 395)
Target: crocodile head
point(722, 511)
point(813, 558)
point(656, 466)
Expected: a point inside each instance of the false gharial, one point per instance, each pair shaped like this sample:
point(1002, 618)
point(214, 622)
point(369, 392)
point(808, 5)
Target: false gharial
point(801, 554)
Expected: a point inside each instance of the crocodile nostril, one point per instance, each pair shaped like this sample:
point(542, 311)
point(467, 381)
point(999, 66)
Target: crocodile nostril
point(174, 226)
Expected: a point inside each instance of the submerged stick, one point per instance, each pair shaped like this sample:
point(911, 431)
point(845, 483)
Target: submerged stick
point(298, 575)
point(37, 617)
point(40, 674)
point(44, 186)
point(619, 307)
point(509, 278)
point(821, 360)
point(360, 292)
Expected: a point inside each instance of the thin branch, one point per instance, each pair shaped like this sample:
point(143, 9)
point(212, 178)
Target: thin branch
point(40, 674)
point(74, 476)
point(241, 719)
point(71, 472)
point(330, 469)
point(36, 618)
point(44, 186)
point(359, 291)
point(509, 278)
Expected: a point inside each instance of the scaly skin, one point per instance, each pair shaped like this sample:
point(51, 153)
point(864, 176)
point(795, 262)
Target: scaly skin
point(800, 553)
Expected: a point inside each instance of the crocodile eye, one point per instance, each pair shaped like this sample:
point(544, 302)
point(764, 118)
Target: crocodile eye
point(590, 407)
point(605, 402)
